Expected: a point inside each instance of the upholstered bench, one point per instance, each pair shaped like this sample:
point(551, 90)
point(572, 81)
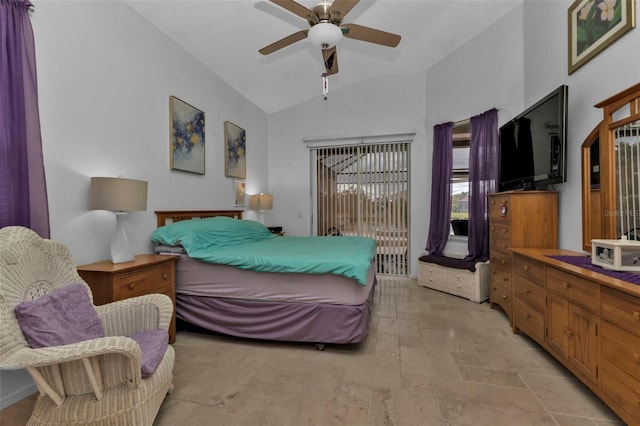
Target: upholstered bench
point(455, 276)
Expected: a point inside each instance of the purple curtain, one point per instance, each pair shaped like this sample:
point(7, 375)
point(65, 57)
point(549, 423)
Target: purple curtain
point(23, 192)
point(441, 171)
point(483, 174)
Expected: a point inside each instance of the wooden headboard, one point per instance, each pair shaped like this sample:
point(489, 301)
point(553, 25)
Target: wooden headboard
point(170, 216)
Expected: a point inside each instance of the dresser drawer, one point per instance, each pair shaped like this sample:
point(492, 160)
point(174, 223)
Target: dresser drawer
point(529, 269)
point(154, 279)
point(528, 319)
point(500, 294)
point(500, 276)
point(621, 309)
point(500, 259)
point(621, 388)
point(621, 348)
point(500, 231)
point(499, 244)
point(496, 205)
point(583, 292)
point(530, 293)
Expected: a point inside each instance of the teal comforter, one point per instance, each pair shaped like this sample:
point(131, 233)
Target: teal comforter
point(249, 245)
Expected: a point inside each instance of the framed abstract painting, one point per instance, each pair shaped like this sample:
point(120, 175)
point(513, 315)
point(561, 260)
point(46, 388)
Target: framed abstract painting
point(238, 192)
point(235, 141)
point(187, 144)
point(594, 25)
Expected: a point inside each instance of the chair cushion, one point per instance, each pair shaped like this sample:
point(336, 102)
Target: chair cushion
point(61, 317)
point(153, 344)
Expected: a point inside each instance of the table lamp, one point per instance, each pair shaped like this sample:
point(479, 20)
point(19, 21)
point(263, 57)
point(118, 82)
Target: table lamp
point(120, 195)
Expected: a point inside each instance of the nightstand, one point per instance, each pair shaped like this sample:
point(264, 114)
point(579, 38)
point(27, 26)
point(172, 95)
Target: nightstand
point(148, 273)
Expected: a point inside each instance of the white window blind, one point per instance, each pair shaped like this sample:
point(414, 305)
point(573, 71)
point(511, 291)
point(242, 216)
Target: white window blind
point(363, 190)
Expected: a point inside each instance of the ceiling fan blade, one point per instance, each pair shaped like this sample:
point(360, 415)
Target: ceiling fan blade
point(339, 9)
point(295, 7)
point(371, 35)
point(330, 57)
point(288, 40)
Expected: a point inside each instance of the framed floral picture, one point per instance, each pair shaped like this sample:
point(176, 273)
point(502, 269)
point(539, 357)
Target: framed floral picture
point(235, 156)
point(594, 24)
point(238, 192)
point(186, 137)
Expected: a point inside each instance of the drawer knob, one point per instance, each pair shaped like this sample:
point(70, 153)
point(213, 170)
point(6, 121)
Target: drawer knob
point(504, 296)
point(504, 231)
point(565, 284)
point(527, 316)
point(636, 315)
point(504, 262)
point(636, 357)
point(131, 286)
point(525, 267)
point(164, 276)
point(527, 291)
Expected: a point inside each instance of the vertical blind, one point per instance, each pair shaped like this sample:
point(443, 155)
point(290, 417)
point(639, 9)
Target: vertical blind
point(364, 190)
point(628, 180)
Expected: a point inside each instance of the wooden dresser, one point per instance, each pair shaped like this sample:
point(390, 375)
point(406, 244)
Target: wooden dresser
point(148, 273)
point(517, 219)
point(588, 321)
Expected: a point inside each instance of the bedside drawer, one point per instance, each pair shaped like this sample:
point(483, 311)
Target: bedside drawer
point(621, 309)
point(149, 280)
point(573, 288)
point(621, 348)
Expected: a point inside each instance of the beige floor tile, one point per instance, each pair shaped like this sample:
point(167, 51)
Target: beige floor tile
point(328, 413)
point(185, 413)
point(217, 385)
point(484, 404)
point(565, 395)
point(493, 377)
point(399, 407)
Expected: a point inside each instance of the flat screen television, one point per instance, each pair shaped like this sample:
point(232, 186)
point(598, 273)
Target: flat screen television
point(532, 146)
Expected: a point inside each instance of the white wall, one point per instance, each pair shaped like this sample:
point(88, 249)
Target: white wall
point(486, 72)
point(613, 70)
point(105, 77)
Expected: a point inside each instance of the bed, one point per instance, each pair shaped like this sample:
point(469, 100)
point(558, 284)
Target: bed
point(273, 300)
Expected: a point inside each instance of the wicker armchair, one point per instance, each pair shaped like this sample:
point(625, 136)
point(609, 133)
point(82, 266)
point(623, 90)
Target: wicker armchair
point(94, 382)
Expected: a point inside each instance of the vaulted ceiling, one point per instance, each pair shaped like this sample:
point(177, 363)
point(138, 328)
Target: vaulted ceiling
point(225, 36)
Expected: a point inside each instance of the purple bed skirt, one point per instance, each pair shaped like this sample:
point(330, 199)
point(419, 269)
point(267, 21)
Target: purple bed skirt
point(273, 320)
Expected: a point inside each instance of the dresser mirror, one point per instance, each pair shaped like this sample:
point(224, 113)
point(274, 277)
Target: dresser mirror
point(611, 209)
point(591, 202)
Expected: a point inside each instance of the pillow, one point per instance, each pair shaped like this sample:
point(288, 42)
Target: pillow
point(153, 344)
point(61, 317)
point(211, 233)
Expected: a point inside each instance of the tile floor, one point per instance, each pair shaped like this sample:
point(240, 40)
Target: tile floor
point(430, 359)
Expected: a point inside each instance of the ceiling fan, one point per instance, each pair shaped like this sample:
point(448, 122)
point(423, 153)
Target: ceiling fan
point(326, 29)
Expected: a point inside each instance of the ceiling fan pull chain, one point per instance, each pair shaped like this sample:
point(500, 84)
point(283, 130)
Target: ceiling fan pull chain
point(325, 85)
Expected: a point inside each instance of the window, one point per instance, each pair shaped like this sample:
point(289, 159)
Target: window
point(460, 179)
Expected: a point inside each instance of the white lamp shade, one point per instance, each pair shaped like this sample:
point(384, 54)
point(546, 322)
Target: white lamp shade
point(324, 34)
point(261, 202)
point(118, 194)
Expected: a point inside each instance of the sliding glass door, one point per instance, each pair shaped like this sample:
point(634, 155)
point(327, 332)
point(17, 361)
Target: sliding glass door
point(364, 190)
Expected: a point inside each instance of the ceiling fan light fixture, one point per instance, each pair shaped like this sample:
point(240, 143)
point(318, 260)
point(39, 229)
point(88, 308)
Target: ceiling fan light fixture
point(324, 34)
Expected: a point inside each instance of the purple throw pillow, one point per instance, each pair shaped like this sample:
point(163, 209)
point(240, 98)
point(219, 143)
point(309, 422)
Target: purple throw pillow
point(153, 345)
point(61, 317)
